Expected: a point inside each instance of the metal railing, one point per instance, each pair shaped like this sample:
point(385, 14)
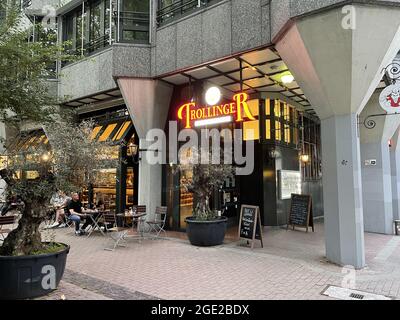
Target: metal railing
point(135, 24)
point(95, 44)
point(127, 27)
point(178, 8)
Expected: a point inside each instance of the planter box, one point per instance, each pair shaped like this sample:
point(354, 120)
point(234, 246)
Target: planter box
point(206, 233)
point(23, 277)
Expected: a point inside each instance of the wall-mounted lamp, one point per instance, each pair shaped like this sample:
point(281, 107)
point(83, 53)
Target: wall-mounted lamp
point(273, 154)
point(45, 157)
point(304, 158)
point(134, 150)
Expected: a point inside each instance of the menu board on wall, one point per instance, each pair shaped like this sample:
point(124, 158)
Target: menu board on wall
point(301, 213)
point(250, 224)
point(289, 183)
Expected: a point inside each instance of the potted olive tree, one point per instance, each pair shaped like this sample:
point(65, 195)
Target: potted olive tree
point(205, 227)
point(29, 266)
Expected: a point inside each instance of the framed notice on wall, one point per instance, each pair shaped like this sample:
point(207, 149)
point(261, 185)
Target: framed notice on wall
point(289, 183)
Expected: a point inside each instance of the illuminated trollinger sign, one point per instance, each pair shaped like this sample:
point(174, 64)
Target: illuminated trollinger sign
point(192, 115)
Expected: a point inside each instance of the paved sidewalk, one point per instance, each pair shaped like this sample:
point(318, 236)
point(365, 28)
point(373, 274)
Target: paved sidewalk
point(290, 266)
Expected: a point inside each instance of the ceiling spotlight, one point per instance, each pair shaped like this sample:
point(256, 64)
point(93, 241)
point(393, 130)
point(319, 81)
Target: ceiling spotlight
point(287, 78)
point(213, 96)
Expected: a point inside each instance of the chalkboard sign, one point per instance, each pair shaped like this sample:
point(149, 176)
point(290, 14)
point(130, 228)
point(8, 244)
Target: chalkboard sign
point(301, 213)
point(250, 224)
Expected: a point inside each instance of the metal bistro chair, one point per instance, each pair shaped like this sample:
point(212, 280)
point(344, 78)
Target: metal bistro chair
point(6, 221)
point(158, 224)
point(116, 233)
point(139, 216)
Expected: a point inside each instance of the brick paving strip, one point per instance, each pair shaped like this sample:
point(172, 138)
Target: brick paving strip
point(105, 288)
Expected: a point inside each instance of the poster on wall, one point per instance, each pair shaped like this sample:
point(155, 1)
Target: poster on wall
point(289, 183)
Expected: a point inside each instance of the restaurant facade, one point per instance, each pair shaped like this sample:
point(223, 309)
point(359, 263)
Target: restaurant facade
point(306, 73)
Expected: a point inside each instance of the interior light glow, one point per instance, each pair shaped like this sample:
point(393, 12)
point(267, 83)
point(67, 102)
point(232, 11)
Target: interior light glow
point(214, 121)
point(213, 96)
point(304, 158)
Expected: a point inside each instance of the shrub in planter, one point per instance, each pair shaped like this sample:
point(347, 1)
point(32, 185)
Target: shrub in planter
point(205, 227)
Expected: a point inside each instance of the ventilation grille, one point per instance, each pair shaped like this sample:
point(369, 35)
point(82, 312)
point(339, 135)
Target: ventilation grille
point(357, 296)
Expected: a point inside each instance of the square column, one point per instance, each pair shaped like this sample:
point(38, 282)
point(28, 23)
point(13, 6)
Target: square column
point(395, 172)
point(344, 228)
point(150, 181)
point(377, 188)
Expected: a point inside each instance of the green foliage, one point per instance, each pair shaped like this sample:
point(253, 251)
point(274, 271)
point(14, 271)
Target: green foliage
point(72, 162)
point(76, 157)
point(206, 178)
point(48, 248)
point(24, 67)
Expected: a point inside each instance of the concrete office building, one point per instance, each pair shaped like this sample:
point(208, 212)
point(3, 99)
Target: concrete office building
point(143, 59)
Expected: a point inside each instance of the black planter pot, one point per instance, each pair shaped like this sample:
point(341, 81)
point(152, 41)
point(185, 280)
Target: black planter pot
point(206, 233)
point(25, 277)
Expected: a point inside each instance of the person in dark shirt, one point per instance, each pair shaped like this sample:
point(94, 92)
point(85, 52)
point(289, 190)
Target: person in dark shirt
point(77, 213)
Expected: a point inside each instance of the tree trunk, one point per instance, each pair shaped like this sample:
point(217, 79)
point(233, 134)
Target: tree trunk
point(26, 238)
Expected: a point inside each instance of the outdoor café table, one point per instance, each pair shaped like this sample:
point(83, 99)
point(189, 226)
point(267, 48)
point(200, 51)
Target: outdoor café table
point(138, 219)
point(95, 221)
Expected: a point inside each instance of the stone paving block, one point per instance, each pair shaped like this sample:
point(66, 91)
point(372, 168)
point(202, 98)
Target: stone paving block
point(166, 269)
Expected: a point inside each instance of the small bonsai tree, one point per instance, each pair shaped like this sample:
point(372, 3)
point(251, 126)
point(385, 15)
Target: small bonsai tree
point(71, 163)
point(206, 178)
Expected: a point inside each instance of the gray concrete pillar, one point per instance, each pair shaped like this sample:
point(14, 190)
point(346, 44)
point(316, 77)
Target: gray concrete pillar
point(377, 188)
point(148, 103)
point(376, 168)
point(342, 190)
point(395, 174)
point(339, 69)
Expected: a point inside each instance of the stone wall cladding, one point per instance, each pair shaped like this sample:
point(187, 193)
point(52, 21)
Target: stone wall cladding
point(88, 76)
point(130, 60)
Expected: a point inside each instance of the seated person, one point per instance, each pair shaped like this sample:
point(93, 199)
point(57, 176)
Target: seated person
point(77, 212)
point(59, 201)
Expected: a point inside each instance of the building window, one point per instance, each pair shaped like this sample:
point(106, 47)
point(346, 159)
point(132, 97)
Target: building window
point(251, 129)
point(311, 146)
point(97, 24)
point(281, 124)
point(286, 124)
point(46, 34)
point(134, 24)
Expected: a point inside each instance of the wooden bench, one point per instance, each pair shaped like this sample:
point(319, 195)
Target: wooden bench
point(6, 221)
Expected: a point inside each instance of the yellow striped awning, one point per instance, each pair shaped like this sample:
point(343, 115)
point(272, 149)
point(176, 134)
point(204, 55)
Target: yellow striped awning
point(112, 131)
point(31, 140)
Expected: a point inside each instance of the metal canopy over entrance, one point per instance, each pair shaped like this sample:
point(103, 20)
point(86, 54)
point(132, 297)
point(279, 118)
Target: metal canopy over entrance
point(258, 71)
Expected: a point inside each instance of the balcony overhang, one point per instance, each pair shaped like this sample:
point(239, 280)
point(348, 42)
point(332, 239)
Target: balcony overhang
point(99, 98)
point(71, 5)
